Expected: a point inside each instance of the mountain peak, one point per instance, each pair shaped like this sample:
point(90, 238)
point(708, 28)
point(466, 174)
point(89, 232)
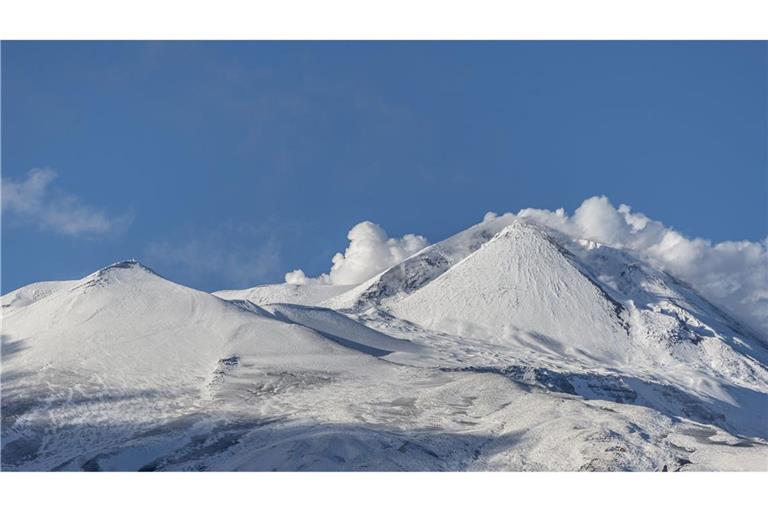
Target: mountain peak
point(520, 283)
point(130, 264)
point(522, 227)
point(130, 269)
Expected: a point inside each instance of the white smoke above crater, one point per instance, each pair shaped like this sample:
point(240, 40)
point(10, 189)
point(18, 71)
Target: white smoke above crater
point(369, 252)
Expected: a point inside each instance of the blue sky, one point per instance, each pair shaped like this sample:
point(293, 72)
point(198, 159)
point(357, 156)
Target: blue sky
point(228, 164)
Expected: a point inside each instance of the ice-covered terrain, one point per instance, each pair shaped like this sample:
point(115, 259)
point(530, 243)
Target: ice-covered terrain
point(509, 346)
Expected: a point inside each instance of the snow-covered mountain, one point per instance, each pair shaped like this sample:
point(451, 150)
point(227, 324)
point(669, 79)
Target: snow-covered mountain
point(508, 346)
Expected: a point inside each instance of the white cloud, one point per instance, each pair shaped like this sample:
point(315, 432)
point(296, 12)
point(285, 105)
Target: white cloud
point(732, 275)
point(370, 251)
point(33, 201)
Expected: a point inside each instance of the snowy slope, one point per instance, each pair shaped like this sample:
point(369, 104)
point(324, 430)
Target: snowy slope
point(303, 294)
point(32, 293)
point(342, 329)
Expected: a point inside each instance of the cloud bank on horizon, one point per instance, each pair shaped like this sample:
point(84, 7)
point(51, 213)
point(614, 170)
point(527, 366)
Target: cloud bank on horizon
point(33, 201)
point(733, 274)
